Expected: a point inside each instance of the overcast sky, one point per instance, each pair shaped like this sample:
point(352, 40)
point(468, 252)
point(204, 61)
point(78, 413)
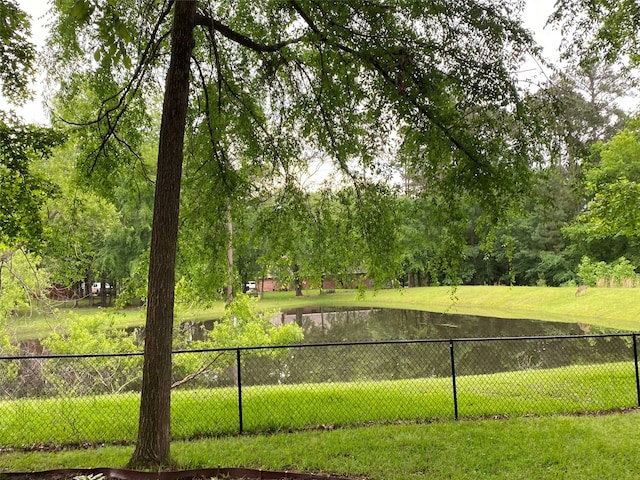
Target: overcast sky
point(535, 17)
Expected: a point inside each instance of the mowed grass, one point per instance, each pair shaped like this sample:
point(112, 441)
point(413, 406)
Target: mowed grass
point(520, 448)
point(214, 412)
point(608, 307)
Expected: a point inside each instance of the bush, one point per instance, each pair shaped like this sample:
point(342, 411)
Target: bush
point(241, 326)
point(91, 335)
point(620, 273)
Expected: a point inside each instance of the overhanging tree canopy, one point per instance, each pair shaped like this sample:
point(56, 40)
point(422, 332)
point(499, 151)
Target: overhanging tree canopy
point(17, 53)
point(22, 191)
point(600, 27)
point(276, 79)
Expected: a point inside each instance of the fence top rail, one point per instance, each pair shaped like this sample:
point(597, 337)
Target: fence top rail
point(71, 355)
point(420, 341)
point(632, 335)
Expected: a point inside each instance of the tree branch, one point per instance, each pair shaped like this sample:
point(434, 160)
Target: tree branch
point(390, 78)
point(241, 39)
point(195, 374)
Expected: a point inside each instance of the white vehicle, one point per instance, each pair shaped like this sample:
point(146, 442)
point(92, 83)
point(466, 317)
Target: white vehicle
point(251, 285)
point(96, 288)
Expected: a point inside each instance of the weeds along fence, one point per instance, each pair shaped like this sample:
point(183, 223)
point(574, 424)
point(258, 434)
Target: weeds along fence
point(79, 399)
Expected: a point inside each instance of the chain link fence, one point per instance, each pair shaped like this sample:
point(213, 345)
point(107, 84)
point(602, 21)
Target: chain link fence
point(93, 399)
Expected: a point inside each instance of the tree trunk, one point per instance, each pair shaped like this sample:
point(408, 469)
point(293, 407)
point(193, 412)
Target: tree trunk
point(152, 447)
point(296, 280)
point(103, 292)
point(229, 256)
point(77, 293)
point(89, 286)
point(264, 274)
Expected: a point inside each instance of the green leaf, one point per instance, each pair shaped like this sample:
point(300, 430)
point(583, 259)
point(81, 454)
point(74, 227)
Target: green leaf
point(96, 55)
point(80, 10)
point(124, 33)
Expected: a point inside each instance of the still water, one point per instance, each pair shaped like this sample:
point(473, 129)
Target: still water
point(320, 361)
point(410, 360)
point(331, 325)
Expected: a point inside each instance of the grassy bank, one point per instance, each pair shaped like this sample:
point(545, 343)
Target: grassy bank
point(586, 448)
point(607, 307)
point(214, 412)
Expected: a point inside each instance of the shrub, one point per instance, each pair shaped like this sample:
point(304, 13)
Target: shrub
point(241, 326)
point(91, 335)
point(620, 273)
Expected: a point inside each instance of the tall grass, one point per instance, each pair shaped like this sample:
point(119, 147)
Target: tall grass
point(617, 283)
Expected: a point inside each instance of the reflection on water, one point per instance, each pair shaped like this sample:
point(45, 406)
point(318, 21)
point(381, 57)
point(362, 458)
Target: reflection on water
point(427, 356)
point(335, 325)
point(480, 355)
point(348, 325)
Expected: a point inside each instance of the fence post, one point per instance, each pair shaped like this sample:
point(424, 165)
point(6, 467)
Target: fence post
point(453, 380)
point(239, 379)
point(635, 362)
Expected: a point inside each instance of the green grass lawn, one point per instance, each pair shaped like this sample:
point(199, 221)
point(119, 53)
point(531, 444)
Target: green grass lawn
point(534, 448)
point(213, 412)
point(559, 447)
point(608, 307)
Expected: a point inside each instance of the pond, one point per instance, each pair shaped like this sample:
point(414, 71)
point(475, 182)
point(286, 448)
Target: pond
point(429, 359)
point(319, 360)
point(429, 356)
point(333, 325)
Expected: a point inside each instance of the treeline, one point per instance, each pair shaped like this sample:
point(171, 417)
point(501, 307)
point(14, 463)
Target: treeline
point(580, 205)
